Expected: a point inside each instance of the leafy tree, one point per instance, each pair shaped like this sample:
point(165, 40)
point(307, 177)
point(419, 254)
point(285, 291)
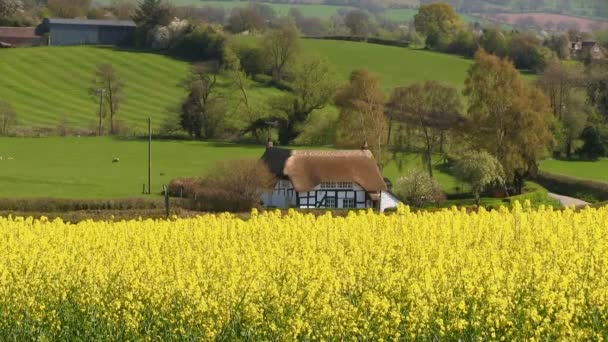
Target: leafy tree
point(361, 105)
point(479, 169)
point(559, 44)
point(313, 88)
point(8, 117)
point(202, 43)
point(558, 81)
point(149, 14)
point(9, 7)
point(493, 40)
point(68, 8)
point(244, 19)
point(107, 83)
point(357, 22)
point(438, 22)
point(418, 188)
point(281, 46)
point(433, 108)
point(574, 120)
point(199, 112)
point(593, 148)
point(509, 118)
point(597, 87)
point(527, 52)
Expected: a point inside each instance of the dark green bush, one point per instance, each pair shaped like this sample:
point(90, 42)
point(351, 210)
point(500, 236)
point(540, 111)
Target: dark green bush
point(570, 186)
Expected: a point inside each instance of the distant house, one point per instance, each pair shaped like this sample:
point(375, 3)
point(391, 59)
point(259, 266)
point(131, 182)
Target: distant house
point(326, 179)
point(89, 32)
point(585, 48)
point(19, 36)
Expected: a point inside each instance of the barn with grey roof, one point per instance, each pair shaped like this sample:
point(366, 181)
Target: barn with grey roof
point(90, 32)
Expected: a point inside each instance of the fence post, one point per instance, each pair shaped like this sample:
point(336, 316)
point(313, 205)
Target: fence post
point(165, 190)
point(143, 189)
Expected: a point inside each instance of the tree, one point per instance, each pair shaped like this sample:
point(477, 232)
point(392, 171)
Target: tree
point(559, 44)
point(558, 81)
point(527, 52)
point(234, 185)
point(597, 87)
point(313, 87)
point(509, 118)
point(199, 111)
point(574, 120)
point(9, 7)
point(494, 41)
point(357, 22)
point(123, 9)
point(149, 14)
point(593, 148)
point(244, 19)
point(361, 105)
point(8, 117)
point(281, 46)
point(107, 82)
point(479, 169)
point(438, 22)
point(417, 188)
point(68, 8)
point(431, 107)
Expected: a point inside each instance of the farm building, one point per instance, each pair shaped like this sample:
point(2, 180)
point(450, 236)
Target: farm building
point(19, 36)
point(326, 179)
point(585, 48)
point(89, 32)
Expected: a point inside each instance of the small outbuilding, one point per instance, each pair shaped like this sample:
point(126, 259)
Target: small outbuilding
point(341, 179)
point(19, 36)
point(62, 32)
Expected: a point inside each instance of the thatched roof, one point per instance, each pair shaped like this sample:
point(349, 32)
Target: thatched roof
point(308, 168)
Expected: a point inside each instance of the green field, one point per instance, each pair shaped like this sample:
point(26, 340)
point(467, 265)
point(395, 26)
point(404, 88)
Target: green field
point(597, 170)
point(49, 84)
point(82, 167)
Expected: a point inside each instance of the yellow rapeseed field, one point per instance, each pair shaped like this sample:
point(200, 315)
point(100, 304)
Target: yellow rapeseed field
point(523, 274)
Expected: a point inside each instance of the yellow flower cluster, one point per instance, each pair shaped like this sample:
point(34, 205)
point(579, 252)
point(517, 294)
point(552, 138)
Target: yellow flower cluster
point(522, 274)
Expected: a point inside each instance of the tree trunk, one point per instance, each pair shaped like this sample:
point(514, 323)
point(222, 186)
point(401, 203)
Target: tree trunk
point(568, 148)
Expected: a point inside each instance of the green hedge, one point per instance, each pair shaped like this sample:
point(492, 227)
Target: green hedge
point(587, 190)
point(370, 40)
point(50, 205)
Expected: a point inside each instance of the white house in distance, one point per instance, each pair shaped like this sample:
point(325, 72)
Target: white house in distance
point(326, 179)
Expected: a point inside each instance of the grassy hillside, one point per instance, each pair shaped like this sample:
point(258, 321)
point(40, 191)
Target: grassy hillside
point(48, 84)
point(394, 65)
point(597, 170)
point(82, 167)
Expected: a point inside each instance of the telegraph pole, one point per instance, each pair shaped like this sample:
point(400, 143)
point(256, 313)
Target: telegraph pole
point(149, 156)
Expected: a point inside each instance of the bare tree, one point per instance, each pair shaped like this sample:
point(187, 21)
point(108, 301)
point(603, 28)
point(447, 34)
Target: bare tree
point(8, 117)
point(107, 83)
point(281, 46)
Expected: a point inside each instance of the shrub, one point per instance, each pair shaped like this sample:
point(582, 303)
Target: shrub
point(234, 186)
point(417, 188)
point(203, 43)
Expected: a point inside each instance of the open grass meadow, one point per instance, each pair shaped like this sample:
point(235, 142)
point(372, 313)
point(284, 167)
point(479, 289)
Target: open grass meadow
point(593, 170)
point(49, 85)
point(82, 167)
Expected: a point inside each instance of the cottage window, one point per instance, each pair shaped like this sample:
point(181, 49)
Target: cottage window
point(328, 185)
point(330, 202)
point(345, 185)
point(348, 203)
